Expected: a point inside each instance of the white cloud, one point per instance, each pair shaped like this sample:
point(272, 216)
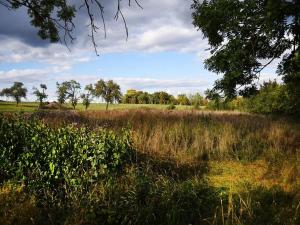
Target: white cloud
point(31, 75)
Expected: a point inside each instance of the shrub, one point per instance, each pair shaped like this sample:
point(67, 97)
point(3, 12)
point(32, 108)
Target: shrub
point(172, 106)
point(63, 159)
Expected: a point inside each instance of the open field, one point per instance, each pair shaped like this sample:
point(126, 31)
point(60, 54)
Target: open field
point(33, 106)
point(186, 167)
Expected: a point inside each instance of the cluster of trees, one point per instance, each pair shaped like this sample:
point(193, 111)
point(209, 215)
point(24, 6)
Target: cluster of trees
point(270, 98)
point(109, 91)
point(69, 91)
point(139, 97)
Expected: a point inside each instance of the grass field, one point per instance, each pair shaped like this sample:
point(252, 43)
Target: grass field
point(189, 167)
point(33, 106)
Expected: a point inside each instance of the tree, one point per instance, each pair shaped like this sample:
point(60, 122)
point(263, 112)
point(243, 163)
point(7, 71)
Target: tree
point(196, 99)
point(55, 19)
point(61, 93)
point(68, 90)
point(109, 91)
point(162, 97)
point(247, 36)
point(87, 97)
point(72, 91)
point(17, 92)
point(143, 98)
point(40, 94)
point(182, 99)
point(130, 97)
point(214, 97)
point(271, 98)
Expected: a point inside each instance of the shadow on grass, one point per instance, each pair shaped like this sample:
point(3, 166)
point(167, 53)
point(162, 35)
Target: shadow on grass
point(170, 168)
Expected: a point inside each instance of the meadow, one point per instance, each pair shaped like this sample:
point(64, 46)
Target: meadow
point(149, 166)
point(33, 106)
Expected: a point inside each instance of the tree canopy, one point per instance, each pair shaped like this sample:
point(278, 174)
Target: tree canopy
point(40, 94)
point(87, 97)
point(247, 36)
point(108, 90)
point(17, 92)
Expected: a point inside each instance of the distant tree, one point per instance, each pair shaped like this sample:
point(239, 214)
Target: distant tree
point(143, 98)
point(173, 100)
point(196, 100)
point(17, 92)
point(161, 97)
point(182, 99)
point(109, 91)
point(68, 90)
point(130, 97)
point(73, 88)
point(40, 94)
point(271, 98)
point(61, 93)
point(87, 97)
point(215, 99)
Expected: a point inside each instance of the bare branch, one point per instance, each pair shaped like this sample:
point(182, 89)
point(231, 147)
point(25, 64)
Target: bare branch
point(67, 25)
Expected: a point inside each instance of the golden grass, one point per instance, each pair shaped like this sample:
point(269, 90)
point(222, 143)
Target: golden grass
point(16, 207)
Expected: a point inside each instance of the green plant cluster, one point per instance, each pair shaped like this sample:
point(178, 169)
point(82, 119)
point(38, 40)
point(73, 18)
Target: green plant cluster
point(59, 159)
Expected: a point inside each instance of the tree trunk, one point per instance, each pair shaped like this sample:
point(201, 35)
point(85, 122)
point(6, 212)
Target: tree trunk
point(106, 105)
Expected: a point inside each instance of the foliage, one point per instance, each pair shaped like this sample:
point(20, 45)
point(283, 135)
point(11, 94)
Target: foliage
point(271, 98)
point(243, 35)
point(196, 100)
point(170, 107)
point(59, 160)
point(162, 97)
point(182, 99)
point(87, 97)
point(140, 97)
point(40, 94)
point(68, 90)
point(17, 92)
point(55, 19)
point(61, 93)
point(109, 91)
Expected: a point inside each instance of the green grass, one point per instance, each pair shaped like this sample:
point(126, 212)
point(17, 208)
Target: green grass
point(33, 106)
point(12, 107)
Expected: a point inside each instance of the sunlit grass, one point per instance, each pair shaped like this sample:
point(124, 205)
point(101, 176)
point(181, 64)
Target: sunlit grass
point(33, 106)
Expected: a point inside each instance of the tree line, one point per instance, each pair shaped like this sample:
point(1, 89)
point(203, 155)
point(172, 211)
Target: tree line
point(139, 97)
point(109, 91)
point(272, 97)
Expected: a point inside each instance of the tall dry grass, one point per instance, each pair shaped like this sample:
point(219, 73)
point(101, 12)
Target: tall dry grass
point(191, 136)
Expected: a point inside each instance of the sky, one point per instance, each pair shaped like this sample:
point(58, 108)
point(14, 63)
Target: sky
point(163, 52)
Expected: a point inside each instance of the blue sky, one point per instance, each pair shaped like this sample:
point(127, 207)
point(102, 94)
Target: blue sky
point(163, 52)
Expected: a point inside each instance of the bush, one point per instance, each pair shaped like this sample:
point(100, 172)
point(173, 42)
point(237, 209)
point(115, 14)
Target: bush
point(172, 106)
point(59, 160)
point(271, 98)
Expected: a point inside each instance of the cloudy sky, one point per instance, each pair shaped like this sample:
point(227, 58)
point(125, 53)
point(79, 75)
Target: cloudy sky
point(163, 51)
